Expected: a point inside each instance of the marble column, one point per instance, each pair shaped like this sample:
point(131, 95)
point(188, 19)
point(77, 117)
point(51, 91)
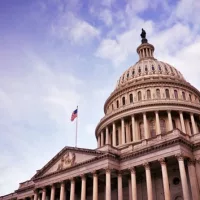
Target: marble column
point(193, 179)
point(35, 194)
point(114, 135)
point(133, 128)
point(193, 124)
point(182, 122)
point(146, 135)
point(83, 187)
point(158, 131)
point(62, 191)
point(119, 186)
point(52, 197)
point(102, 138)
point(72, 189)
point(197, 167)
point(95, 186)
point(99, 141)
point(165, 179)
point(133, 183)
point(129, 189)
point(148, 181)
point(108, 184)
point(170, 120)
point(184, 182)
point(44, 193)
point(122, 131)
point(107, 135)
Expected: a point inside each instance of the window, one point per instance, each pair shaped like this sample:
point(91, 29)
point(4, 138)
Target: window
point(191, 129)
point(141, 127)
point(131, 133)
point(148, 94)
point(167, 93)
point(158, 93)
point(146, 69)
point(175, 94)
point(162, 126)
point(139, 70)
point(117, 104)
point(190, 97)
point(117, 137)
point(166, 69)
point(153, 68)
point(133, 72)
point(159, 67)
point(183, 94)
point(112, 107)
point(127, 75)
point(123, 101)
point(131, 98)
point(139, 96)
point(152, 128)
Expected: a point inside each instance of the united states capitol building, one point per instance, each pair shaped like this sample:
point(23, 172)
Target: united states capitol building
point(148, 143)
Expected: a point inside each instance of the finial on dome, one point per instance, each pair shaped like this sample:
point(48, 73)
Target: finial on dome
point(143, 36)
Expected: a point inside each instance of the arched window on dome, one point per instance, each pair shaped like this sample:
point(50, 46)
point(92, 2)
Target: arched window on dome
point(183, 94)
point(117, 102)
point(141, 130)
point(139, 70)
point(153, 68)
point(159, 67)
point(190, 97)
point(127, 75)
point(123, 101)
point(133, 73)
point(158, 93)
point(139, 96)
point(166, 68)
point(152, 128)
point(162, 126)
point(112, 107)
point(167, 93)
point(146, 69)
point(131, 98)
point(175, 94)
point(148, 94)
point(174, 124)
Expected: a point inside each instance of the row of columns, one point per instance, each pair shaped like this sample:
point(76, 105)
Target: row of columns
point(133, 182)
point(107, 139)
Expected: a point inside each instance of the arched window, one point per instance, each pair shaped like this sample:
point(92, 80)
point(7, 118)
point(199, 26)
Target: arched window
point(141, 127)
point(159, 67)
point(117, 137)
point(146, 69)
point(117, 103)
point(190, 97)
point(166, 68)
point(175, 94)
point(152, 128)
point(158, 93)
point(131, 133)
point(174, 124)
point(148, 94)
point(123, 101)
point(167, 93)
point(153, 68)
point(183, 94)
point(139, 96)
point(131, 98)
point(112, 107)
point(162, 126)
point(133, 73)
point(139, 70)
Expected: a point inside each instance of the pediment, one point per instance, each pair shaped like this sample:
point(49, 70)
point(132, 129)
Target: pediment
point(66, 158)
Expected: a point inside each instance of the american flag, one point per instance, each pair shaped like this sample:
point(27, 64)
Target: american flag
point(74, 114)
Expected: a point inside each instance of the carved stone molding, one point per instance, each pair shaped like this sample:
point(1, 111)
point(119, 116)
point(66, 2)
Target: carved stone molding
point(180, 157)
point(132, 170)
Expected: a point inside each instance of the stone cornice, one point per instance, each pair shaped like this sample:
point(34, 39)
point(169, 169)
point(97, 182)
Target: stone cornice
point(159, 102)
point(143, 83)
point(25, 189)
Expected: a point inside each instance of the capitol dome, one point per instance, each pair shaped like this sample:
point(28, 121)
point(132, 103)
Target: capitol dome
point(151, 98)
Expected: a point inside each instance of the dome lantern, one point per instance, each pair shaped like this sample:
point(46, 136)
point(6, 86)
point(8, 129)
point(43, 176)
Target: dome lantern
point(145, 50)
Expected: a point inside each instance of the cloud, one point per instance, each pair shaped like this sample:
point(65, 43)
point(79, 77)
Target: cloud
point(76, 30)
point(107, 3)
point(106, 16)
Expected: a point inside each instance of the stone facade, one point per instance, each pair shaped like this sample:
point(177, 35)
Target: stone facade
point(148, 143)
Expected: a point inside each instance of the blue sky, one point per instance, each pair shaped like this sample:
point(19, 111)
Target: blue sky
point(57, 54)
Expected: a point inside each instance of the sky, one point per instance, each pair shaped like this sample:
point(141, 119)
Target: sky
point(57, 54)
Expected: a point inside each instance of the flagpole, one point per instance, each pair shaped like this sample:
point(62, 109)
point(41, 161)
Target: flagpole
point(76, 128)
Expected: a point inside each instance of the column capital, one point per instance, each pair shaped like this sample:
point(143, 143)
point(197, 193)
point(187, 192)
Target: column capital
point(180, 112)
point(44, 189)
point(180, 156)
point(95, 173)
point(191, 161)
point(108, 169)
point(162, 161)
point(169, 111)
point(119, 173)
point(132, 169)
point(146, 165)
point(82, 176)
point(35, 190)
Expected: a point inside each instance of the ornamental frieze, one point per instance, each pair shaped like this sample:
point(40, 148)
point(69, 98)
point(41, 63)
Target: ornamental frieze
point(67, 160)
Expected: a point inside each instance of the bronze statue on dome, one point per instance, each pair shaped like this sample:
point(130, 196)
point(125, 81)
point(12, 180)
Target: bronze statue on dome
point(143, 36)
